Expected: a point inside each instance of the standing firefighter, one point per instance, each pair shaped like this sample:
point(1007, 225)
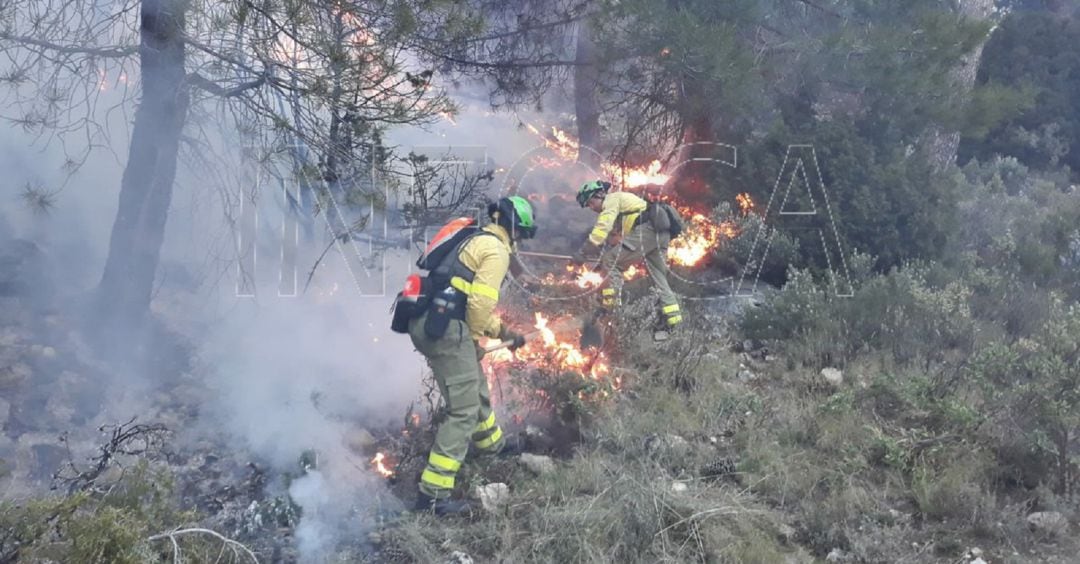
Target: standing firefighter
point(634, 228)
point(462, 290)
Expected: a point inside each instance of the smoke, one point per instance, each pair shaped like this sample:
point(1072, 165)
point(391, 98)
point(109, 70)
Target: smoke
point(285, 374)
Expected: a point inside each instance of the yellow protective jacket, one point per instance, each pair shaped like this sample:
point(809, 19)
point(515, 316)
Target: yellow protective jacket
point(488, 258)
point(617, 205)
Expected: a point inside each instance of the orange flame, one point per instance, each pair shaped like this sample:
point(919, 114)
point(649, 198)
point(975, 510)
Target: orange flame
point(633, 272)
point(746, 203)
point(560, 142)
point(380, 461)
point(632, 177)
point(551, 350)
point(699, 239)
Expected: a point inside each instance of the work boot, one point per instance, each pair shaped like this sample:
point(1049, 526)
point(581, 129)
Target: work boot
point(513, 445)
point(441, 507)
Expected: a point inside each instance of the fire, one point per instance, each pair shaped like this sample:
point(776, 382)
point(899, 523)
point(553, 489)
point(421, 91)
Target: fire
point(631, 177)
point(584, 278)
point(589, 278)
point(633, 272)
point(701, 235)
point(746, 203)
point(544, 162)
point(380, 463)
point(560, 142)
point(552, 350)
point(700, 238)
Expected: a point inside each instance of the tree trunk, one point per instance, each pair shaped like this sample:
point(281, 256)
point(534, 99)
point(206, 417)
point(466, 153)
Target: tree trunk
point(940, 145)
point(146, 187)
point(697, 138)
point(586, 105)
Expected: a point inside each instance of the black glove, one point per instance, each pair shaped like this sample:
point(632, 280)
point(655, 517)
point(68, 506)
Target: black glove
point(577, 260)
point(506, 334)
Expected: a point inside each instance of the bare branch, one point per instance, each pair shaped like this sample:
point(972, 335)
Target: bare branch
point(115, 51)
point(216, 89)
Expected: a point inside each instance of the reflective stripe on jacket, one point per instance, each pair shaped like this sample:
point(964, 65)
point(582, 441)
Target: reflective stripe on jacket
point(489, 259)
point(617, 204)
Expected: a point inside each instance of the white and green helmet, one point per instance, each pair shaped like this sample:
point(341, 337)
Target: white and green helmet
point(590, 189)
point(516, 216)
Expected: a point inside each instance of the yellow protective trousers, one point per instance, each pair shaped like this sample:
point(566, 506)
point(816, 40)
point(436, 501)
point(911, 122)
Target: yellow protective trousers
point(455, 362)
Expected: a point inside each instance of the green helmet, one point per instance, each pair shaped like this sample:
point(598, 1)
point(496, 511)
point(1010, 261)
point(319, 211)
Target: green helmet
point(590, 189)
point(516, 216)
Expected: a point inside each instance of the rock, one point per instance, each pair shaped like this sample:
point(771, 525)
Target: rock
point(899, 516)
point(459, 557)
point(1048, 523)
point(747, 345)
point(359, 440)
point(492, 496)
point(836, 555)
point(975, 552)
point(538, 464)
point(786, 533)
point(832, 376)
point(978, 560)
point(679, 487)
point(669, 442)
point(745, 375)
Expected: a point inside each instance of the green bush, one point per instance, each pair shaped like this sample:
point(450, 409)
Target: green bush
point(901, 313)
point(1033, 386)
point(113, 523)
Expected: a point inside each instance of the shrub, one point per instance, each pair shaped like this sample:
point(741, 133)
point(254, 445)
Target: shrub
point(1033, 385)
point(901, 313)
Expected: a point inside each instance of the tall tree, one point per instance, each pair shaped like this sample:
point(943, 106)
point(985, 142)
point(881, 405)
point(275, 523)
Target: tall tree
point(941, 143)
point(147, 184)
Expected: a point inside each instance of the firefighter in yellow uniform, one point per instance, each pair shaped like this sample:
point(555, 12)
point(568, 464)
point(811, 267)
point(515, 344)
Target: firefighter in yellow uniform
point(473, 274)
point(634, 229)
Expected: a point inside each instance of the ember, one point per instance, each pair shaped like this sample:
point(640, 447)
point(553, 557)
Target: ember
point(746, 203)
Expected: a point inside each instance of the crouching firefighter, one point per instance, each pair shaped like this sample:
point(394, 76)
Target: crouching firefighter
point(633, 229)
point(445, 314)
